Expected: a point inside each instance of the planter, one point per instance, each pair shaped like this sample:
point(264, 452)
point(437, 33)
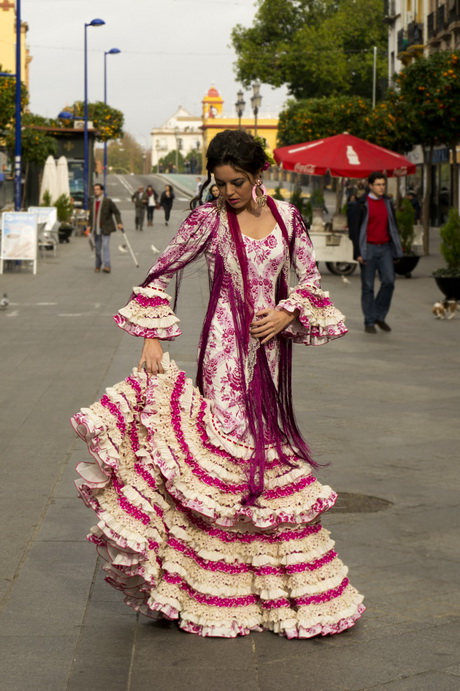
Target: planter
point(406, 265)
point(449, 286)
point(65, 231)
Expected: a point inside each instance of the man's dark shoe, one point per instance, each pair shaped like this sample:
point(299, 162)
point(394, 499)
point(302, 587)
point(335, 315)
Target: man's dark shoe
point(106, 269)
point(382, 325)
point(370, 329)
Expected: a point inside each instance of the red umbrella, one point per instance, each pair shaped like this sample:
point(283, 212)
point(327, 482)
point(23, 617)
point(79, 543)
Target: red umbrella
point(342, 156)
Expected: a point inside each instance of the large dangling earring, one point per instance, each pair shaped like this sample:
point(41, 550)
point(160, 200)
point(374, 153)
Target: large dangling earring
point(260, 199)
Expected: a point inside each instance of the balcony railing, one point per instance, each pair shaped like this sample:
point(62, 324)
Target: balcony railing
point(402, 40)
point(441, 22)
point(431, 25)
point(389, 9)
point(454, 12)
point(415, 34)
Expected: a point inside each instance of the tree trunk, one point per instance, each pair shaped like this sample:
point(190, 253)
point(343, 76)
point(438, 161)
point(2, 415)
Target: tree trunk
point(426, 220)
point(454, 176)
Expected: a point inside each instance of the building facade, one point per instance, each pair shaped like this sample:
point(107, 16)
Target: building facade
point(420, 27)
point(215, 121)
point(186, 133)
point(416, 28)
point(181, 132)
point(8, 42)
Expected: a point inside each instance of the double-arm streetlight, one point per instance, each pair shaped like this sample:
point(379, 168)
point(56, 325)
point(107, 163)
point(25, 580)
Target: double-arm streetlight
point(239, 105)
point(112, 51)
point(94, 22)
point(256, 100)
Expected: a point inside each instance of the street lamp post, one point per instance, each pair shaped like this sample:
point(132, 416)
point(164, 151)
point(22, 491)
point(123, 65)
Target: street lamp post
point(256, 100)
point(239, 105)
point(112, 51)
point(18, 124)
point(94, 22)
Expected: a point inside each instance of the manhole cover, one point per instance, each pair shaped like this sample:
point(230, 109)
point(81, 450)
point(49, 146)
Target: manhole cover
point(360, 503)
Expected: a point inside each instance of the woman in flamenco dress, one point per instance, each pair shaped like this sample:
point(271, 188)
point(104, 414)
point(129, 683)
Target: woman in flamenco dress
point(208, 511)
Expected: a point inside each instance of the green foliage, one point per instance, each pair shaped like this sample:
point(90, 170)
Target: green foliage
point(170, 160)
point(314, 118)
point(37, 144)
point(450, 241)
point(302, 204)
point(46, 201)
point(278, 194)
point(429, 88)
point(319, 47)
point(405, 218)
point(64, 208)
point(8, 100)
point(317, 199)
point(392, 124)
point(107, 121)
point(124, 155)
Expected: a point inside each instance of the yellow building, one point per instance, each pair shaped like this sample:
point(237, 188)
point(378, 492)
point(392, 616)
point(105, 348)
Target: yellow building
point(8, 42)
point(214, 121)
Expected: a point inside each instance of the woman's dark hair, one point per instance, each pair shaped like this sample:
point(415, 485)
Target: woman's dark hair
point(236, 148)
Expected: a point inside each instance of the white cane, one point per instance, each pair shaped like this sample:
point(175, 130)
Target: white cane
point(130, 248)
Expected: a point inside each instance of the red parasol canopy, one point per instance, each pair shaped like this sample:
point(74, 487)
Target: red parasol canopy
point(342, 156)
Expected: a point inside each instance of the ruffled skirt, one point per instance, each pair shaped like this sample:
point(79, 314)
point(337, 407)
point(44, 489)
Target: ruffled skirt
point(168, 489)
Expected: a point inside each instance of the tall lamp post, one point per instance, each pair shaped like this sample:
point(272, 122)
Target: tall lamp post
point(94, 22)
point(239, 105)
point(256, 100)
point(18, 125)
point(112, 51)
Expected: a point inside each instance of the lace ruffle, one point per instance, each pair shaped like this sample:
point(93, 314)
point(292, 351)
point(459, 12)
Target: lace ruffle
point(149, 315)
point(318, 321)
point(175, 534)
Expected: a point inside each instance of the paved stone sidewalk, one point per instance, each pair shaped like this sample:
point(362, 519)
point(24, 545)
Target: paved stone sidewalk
point(382, 410)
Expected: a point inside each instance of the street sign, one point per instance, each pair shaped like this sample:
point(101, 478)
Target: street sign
point(19, 238)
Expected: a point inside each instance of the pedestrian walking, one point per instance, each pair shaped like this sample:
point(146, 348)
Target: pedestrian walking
point(376, 245)
point(152, 200)
point(166, 201)
point(139, 199)
point(208, 512)
point(102, 211)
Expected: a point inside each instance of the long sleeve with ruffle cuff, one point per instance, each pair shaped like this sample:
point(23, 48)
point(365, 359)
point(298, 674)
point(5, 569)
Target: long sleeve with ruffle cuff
point(318, 321)
point(148, 314)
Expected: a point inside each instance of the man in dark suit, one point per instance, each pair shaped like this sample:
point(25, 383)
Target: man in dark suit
point(101, 224)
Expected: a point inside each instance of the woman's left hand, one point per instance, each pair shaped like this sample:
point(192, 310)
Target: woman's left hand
point(270, 322)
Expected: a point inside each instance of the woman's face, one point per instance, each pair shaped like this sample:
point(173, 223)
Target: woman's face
point(234, 186)
point(215, 191)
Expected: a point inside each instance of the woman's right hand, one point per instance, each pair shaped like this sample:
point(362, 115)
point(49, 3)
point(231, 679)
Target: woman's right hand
point(152, 354)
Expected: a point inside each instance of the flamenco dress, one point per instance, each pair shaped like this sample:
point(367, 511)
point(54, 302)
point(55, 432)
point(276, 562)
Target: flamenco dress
point(169, 478)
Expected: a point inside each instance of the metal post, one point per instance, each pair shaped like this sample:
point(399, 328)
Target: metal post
point(105, 101)
point(85, 130)
point(18, 124)
point(374, 79)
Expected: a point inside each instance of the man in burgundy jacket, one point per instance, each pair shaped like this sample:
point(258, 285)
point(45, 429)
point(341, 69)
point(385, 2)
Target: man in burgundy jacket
point(376, 246)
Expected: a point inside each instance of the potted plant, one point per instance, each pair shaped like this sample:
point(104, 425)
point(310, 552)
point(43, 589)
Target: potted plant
point(317, 210)
point(64, 214)
point(405, 218)
point(448, 279)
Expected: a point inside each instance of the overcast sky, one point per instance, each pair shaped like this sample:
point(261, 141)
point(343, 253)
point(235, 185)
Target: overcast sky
point(172, 52)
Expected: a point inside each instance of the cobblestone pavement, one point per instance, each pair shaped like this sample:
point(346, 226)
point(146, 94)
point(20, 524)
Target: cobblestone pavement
point(382, 410)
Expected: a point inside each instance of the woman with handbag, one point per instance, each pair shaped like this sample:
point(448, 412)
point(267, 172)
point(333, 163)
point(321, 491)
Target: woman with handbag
point(152, 198)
